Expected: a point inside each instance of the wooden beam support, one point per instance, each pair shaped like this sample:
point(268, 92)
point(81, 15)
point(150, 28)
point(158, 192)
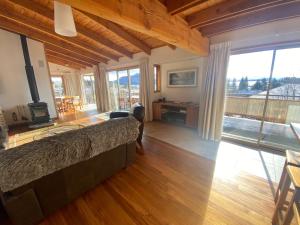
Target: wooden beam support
point(75, 55)
point(64, 63)
point(230, 9)
point(121, 32)
point(250, 19)
point(14, 26)
point(49, 14)
point(172, 47)
point(178, 6)
point(59, 55)
point(7, 9)
point(149, 17)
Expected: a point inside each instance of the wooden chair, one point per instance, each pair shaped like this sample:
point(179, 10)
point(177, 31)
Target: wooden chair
point(292, 159)
point(77, 103)
point(68, 102)
point(59, 104)
point(292, 177)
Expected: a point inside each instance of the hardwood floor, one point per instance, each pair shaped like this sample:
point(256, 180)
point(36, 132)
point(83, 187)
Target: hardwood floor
point(168, 185)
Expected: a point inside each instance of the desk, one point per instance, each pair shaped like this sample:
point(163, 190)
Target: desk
point(189, 112)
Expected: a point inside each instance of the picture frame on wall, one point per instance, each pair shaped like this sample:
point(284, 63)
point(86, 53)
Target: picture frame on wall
point(183, 78)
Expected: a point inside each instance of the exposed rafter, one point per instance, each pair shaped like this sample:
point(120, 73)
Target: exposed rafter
point(49, 14)
point(178, 6)
point(14, 26)
point(231, 9)
point(282, 11)
point(76, 55)
point(7, 10)
point(121, 32)
point(62, 56)
point(149, 17)
point(63, 62)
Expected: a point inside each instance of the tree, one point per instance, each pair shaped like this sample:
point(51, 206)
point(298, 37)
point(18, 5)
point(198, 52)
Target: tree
point(228, 85)
point(275, 83)
point(246, 83)
point(243, 85)
point(264, 84)
point(234, 87)
point(257, 86)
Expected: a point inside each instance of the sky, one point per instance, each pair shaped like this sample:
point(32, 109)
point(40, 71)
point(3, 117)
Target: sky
point(258, 64)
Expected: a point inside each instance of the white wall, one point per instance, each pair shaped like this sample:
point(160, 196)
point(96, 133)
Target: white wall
point(14, 89)
point(169, 59)
point(184, 94)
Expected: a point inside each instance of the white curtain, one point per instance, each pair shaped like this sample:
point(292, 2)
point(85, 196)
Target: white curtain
point(72, 84)
point(101, 89)
point(213, 93)
point(145, 87)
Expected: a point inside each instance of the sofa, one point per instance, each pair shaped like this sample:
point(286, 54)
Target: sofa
point(40, 177)
point(138, 112)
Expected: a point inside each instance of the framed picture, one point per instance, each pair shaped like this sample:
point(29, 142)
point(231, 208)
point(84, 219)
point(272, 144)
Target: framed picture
point(183, 78)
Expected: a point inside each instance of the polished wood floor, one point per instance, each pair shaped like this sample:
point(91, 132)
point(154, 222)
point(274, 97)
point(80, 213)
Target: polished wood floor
point(168, 185)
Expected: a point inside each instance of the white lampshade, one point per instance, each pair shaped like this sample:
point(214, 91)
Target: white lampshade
point(63, 20)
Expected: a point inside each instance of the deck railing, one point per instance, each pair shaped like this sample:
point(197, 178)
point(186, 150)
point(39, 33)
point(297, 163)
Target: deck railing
point(278, 110)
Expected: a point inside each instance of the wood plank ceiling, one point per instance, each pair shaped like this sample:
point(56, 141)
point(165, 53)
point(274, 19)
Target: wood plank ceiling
point(108, 30)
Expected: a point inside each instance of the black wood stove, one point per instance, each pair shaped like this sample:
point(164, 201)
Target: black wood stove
point(39, 110)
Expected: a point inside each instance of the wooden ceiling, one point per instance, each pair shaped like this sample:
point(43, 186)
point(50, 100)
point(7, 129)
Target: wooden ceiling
point(108, 30)
point(212, 17)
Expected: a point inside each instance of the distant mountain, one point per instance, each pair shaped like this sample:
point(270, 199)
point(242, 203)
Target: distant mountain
point(135, 80)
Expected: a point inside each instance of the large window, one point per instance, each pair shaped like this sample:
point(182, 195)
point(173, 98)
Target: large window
point(124, 88)
point(58, 86)
point(89, 89)
point(263, 97)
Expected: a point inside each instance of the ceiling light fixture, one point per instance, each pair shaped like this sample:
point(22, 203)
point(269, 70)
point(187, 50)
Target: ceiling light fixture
point(63, 20)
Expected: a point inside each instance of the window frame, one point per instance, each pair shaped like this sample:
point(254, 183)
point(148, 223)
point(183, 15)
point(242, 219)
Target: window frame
point(157, 78)
point(90, 75)
point(129, 80)
point(63, 84)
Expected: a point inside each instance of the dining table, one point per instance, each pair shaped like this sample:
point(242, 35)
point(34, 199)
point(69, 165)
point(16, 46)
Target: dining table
point(66, 102)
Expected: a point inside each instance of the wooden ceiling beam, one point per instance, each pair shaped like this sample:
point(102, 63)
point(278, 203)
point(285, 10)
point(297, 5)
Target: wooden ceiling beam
point(76, 55)
point(62, 56)
point(64, 63)
point(14, 26)
point(149, 17)
point(121, 32)
point(279, 12)
point(178, 6)
point(230, 9)
point(49, 14)
point(7, 9)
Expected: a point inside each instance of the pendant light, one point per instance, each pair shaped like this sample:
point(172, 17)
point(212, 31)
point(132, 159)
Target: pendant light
point(63, 20)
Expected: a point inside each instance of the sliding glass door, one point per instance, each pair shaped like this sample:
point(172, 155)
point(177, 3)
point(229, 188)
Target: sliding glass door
point(58, 86)
point(283, 106)
point(263, 97)
point(89, 89)
point(124, 93)
point(124, 88)
point(247, 81)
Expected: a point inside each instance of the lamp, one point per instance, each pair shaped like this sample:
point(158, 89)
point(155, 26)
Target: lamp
point(63, 20)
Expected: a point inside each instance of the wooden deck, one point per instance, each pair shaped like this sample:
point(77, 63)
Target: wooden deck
point(167, 185)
